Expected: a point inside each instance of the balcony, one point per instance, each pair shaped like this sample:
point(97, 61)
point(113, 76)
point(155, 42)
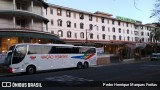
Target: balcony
point(23, 27)
point(27, 5)
point(136, 33)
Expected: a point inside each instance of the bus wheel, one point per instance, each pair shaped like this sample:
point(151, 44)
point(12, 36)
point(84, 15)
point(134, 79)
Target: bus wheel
point(30, 70)
point(86, 65)
point(79, 65)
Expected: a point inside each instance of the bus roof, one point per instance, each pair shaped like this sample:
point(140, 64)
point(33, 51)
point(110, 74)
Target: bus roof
point(50, 44)
point(44, 44)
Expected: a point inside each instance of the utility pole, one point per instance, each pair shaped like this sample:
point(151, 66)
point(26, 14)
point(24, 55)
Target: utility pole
point(87, 35)
point(86, 38)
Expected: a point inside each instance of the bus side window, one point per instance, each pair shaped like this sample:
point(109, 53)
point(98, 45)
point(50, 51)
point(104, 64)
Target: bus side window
point(52, 50)
point(46, 49)
point(88, 50)
point(35, 49)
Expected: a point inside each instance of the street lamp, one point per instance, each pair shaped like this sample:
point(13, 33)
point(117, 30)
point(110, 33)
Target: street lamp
point(87, 35)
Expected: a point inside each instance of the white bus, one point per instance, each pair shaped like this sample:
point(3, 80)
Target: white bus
point(30, 58)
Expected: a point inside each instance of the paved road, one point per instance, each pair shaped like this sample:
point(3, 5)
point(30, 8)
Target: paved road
point(142, 71)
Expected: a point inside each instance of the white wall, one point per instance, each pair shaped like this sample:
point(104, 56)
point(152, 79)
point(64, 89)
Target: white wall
point(96, 32)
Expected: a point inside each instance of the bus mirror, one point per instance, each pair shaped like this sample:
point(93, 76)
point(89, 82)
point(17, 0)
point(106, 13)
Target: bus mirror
point(10, 51)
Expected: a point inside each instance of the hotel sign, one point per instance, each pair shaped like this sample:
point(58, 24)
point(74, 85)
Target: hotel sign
point(126, 19)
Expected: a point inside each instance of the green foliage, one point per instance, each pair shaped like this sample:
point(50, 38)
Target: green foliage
point(157, 35)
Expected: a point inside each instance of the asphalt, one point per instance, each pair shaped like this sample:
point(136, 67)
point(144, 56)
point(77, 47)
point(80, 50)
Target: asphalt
point(128, 70)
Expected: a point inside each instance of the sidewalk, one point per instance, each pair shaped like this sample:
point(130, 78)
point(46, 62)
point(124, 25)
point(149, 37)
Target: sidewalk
point(125, 61)
point(133, 60)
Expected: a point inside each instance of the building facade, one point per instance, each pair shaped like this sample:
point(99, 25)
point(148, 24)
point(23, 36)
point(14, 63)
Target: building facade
point(23, 21)
point(99, 29)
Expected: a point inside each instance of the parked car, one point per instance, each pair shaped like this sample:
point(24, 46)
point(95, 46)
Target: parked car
point(155, 56)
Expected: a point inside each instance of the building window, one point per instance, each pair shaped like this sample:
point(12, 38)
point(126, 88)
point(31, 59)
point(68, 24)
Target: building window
point(127, 24)
point(75, 25)
point(52, 23)
point(148, 34)
point(90, 17)
point(98, 37)
point(69, 34)
point(52, 32)
point(120, 30)
point(113, 22)
point(103, 28)
point(142, 39)
point(120, 37)
point(119, 23)
point(81, 25)
point(51, 11)
point(81, 16)
point(136, 39)
point(141, 27)
point(91, 35)
point(60, 33)
point(21, 5)
point(104, 36)
point(91, 27)
point(68, 13)
point(82, 35)
point(127, 31)
point(68, 23)
point(113, 29)
point(102, 19)
point(59, 12)
point(128, 38)
point(142, 33)
point(135, 26)
point(22, 23)
point(59, 21)
point(136, 32)
point(18, 22)
point(114, 37)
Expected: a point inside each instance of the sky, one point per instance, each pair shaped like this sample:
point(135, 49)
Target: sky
point(124, 8)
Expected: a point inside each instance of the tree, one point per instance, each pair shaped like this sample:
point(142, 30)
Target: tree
point(156, 10)
point(155, 36)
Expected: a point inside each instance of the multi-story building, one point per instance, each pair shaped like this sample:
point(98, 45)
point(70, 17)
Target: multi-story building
point(23, 21)
point(99, 28)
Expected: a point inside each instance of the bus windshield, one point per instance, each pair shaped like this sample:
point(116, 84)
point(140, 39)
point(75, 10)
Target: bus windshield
point(19, 54)
point(9, 55)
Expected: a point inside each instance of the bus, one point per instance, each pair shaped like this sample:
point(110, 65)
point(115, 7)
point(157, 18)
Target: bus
point(30, 58)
